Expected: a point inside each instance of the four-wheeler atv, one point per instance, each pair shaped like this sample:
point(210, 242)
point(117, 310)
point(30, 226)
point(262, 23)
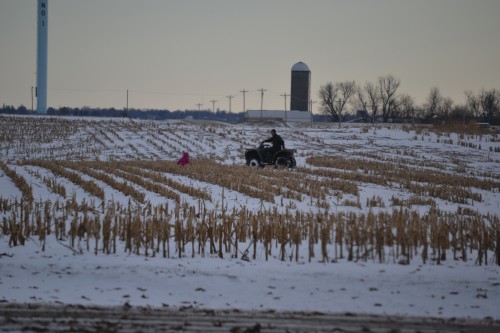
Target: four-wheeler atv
point(259, 157)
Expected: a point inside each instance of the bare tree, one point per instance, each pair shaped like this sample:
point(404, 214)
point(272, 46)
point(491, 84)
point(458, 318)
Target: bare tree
point(431, 106)
point(388, 85)
point(437, 107)
point(368, 99)
point(407, 107)
point(328, 95)
point(374, 99)
point(394, 108)
point(446, 108)
point(334, 98)
point(361, 103)
point(460, 112)
point(473, 104)
point(347, 91)
point(486, 104)
point(490, 103)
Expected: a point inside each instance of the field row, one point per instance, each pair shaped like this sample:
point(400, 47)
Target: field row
point(375, 229)
point(398, 236)
point(124, 139)
point(325, 182)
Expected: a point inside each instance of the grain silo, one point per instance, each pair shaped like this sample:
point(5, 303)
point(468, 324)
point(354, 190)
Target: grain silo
point(301, 87)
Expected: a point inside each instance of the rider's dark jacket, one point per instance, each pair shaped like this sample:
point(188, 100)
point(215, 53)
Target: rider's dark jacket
point(277, 142)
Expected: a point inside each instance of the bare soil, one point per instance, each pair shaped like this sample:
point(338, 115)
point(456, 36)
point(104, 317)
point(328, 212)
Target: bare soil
point(76, 318)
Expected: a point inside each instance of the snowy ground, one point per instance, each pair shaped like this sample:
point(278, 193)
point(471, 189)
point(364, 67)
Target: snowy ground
point(58, 276)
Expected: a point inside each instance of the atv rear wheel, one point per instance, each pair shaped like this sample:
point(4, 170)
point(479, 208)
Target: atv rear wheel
point(283, 162)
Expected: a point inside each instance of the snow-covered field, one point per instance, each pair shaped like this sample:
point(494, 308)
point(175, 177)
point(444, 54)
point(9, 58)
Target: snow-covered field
point(55, 272)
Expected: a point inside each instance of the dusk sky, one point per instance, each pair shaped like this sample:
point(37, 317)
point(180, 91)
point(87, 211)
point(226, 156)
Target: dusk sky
point(175, 54)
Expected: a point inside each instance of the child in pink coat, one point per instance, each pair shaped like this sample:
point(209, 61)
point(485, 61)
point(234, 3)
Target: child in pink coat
point(184, 160)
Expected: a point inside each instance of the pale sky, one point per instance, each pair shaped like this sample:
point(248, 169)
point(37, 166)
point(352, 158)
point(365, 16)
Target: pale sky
point(174, 54)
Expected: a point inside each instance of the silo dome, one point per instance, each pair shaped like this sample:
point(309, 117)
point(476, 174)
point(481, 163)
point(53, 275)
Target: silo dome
point(300, 67)
point(301, 87)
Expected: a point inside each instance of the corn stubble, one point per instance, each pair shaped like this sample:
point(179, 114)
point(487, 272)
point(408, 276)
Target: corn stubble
point(398, 230)
point(369, 231)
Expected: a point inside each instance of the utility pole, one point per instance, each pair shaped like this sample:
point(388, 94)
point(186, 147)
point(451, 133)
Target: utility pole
point(311, 102)
point(230, 97)
point(311, 110)
point(285, 95)
point(127, 100)
point(213, 106)
point(199, 106)
point(243, 92)
point(261, 101)
point(31, 98)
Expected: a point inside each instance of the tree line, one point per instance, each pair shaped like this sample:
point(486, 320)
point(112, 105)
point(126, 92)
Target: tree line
point(381, 102)
point(339, 102)
point(152, 114)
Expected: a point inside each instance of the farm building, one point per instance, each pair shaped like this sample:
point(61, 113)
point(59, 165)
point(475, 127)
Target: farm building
point(281, 115)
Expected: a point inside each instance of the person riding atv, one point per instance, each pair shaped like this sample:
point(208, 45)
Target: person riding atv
point(275, 155)
point(277, 141)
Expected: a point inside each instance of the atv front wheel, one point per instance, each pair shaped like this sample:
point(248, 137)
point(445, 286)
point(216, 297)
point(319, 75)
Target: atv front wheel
point(254, 163)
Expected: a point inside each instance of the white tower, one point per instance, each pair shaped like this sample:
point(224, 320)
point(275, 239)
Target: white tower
point(41, 60)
